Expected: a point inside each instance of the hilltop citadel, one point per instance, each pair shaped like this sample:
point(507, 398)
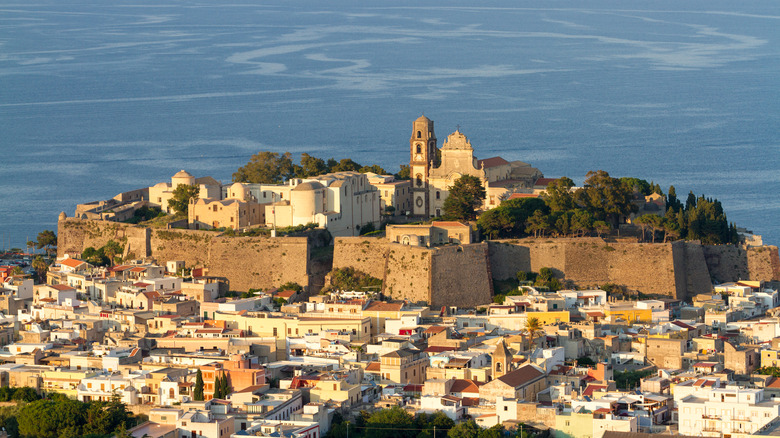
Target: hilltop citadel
point(233, 318)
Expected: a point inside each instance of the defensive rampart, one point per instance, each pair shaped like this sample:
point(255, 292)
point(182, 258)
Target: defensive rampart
point(247, 262)
point(449, 275)
point(679, 269)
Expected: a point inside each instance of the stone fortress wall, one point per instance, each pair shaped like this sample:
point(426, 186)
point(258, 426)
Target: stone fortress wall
point(248, 262)
point(679, 269)
point(449, 275)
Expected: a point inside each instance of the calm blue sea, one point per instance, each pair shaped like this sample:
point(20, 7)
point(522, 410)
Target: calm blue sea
point(99, 97)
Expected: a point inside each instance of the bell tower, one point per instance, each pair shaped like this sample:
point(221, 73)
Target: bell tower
point(502, 360)
point(422, 153)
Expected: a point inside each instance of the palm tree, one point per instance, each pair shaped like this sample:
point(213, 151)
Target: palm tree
point(533, 326)
point(40, 267)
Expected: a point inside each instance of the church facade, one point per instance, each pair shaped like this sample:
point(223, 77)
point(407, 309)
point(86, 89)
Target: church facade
point(433, 170)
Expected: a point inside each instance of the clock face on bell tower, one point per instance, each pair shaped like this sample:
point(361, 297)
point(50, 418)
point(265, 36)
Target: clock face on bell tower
point(421, 155)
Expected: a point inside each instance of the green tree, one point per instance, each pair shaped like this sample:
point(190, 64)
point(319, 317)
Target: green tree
point(390, 423)
point(266, 168)
point(227, 388)
point(111, 249)
point(404, 173)
point(466, 429)
point(465, 197)
point(601, 227)
point(345, 165)
point(47, 240)
point(538, 223)
point(197, 391)
point(182, 195)
point(606, 197)
point(582, 222)
point(312, 166)
point(496, 431)
point(558, 195)
point(533, 326)
point(375, 168)
point(509, 219)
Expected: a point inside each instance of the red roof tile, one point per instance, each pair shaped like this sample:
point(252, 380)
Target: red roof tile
point(492, 162)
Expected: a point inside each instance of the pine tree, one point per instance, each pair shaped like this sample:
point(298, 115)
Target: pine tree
point(197, 392)
point(217, 387)
point(226, 389)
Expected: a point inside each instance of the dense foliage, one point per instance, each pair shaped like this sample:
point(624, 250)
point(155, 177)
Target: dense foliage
point(396, 422)
point(182, 195)
point(698, 219)
point(61, 417)
point(103, 256)
point(197, 391)
point(144, 214)
point(273, 168)
point(465, 196)
point(351, 279)
point(627, 380)
point(47, 240)
point(598, 207)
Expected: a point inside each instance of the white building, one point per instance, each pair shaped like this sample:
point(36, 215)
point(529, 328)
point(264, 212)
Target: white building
point(733, 411)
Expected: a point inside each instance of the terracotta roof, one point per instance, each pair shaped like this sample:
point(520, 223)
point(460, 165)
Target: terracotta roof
point(492, 162)
point(774, 384)
point(141, 284)
point(435, 329)
point(588, 392)
point(464, 385)
point(544, 181)
point(286, 293)
point(448, 224)
point(381, 306)
point(374, 366)
point(470, 401)
point(522, 195)
point(73, 263)
point(138, 269)
point(521, 376)
point(683, 325)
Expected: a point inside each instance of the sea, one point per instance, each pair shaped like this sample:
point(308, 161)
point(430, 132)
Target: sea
point(99, 97)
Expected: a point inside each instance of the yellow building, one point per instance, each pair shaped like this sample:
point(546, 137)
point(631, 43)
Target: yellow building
point(64, 382)
point(630, 314)
point(282, 327)
point(404, 366)
point(336, 390)
point(770, 358)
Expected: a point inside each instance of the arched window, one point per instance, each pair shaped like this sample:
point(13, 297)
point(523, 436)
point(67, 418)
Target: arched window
point(419, 180)
point(419, 134)
point(498, 367)
point(419, 149)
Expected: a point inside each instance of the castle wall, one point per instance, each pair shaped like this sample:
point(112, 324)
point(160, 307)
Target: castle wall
point(75, 235)
point(461, 276)
point(407, 273)
point(726, 262)
point(366, 254)
point(679, 269)
point(248, 262)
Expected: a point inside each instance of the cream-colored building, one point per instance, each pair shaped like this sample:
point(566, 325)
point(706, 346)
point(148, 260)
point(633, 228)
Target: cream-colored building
point(161, 193)
point(227, 213)
point(395, 194)
point(434, 170)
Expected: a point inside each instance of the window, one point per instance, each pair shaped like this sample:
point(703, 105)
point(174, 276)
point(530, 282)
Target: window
point(419, 135)
point(419, 180)
point(438, 194)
